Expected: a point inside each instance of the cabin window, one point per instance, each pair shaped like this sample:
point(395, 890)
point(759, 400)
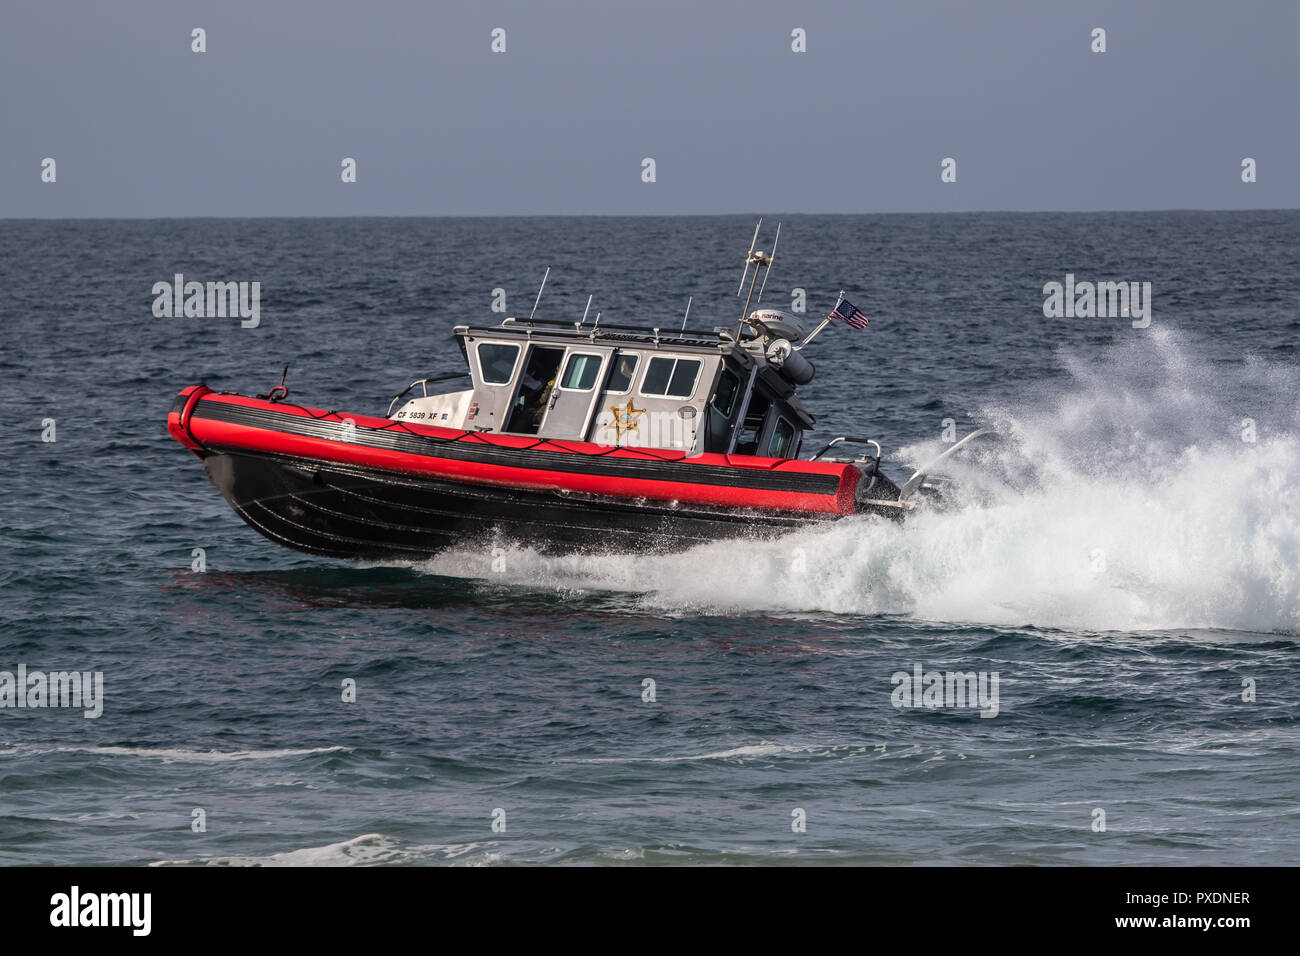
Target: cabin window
point(782, 439)
point(752, 427)
point(497, 363)
point(671, 377)
point(724, 399)
point(622, 373)
point(581, 372)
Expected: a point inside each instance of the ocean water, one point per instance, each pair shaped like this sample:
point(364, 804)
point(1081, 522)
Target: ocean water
point(1126, 559)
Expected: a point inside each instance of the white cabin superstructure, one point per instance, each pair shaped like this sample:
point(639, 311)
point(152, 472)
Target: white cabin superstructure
point(687, 391)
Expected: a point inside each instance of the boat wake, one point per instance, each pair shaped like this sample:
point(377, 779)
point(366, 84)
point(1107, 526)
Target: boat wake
point(1150, 491)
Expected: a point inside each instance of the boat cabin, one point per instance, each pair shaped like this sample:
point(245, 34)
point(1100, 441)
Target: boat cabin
point(688, 391)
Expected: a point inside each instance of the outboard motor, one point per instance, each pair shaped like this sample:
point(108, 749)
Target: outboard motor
point(874, 484)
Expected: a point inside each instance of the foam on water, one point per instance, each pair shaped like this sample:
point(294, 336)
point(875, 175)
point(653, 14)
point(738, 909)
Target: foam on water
point(736, 753)
point(169, 754)
point(369, 849)
point(1129, 499)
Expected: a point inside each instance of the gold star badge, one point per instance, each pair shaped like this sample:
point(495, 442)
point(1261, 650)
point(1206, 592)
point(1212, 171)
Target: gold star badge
point(624, 419)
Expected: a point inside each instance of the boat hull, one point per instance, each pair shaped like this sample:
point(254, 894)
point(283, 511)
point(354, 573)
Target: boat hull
point(350, 512)
point(370, 488)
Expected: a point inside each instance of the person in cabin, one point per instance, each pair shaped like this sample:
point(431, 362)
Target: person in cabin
point(532, 399)
point(622, 378)
point(543, 399)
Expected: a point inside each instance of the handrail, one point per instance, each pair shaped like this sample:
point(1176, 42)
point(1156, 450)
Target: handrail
point(649, 330)
point(425, 382)
point(836, 441)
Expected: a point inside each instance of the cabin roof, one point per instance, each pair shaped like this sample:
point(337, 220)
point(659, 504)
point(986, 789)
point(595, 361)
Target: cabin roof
point(719, 339)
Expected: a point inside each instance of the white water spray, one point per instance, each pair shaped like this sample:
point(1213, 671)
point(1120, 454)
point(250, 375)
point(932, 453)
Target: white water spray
point(1128, 498)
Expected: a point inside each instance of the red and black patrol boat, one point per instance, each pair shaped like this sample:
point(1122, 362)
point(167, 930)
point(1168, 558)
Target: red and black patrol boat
point(571, 436)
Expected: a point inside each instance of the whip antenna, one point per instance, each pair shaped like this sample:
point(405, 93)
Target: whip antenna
point(539, 294)
point(757, 259)
point(770, 260)
point(749, 255)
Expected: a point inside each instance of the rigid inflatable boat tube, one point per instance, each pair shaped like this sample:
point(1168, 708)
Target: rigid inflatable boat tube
point(223, 422)
point(181, 429)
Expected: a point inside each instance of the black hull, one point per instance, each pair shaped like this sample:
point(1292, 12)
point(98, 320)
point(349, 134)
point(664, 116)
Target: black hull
point(342, 511)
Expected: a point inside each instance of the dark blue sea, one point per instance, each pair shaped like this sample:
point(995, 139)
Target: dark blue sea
point(1126, 559)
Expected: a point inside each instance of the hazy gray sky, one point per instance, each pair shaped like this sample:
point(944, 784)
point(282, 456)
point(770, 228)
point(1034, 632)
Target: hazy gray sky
point(560, 123)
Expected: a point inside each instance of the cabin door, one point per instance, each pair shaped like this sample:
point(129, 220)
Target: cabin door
point(572, 402)
point(538, 385)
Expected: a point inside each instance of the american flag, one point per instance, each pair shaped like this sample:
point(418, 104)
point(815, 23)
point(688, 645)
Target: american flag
point(849, 314)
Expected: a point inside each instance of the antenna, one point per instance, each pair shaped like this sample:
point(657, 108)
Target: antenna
point(688, 311)
point(596, 323)
point(770, 259)
point(539, 294)
point(757, 260)
point(584, 312)
point(748, 255)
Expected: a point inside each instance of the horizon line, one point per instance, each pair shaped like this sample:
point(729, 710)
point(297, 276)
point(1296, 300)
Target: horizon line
point(653, 215)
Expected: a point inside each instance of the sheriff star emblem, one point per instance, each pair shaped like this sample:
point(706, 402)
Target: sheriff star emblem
point(624, 419)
